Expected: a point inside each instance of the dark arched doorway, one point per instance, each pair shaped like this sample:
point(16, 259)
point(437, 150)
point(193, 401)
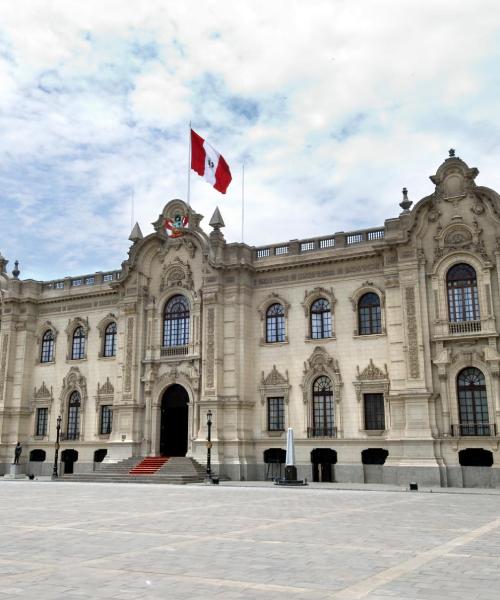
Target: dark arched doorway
point(323, 460)
point(174, 421)
point(69, 458)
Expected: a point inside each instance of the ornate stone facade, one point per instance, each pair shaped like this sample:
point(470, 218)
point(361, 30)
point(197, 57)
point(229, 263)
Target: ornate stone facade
point(369, 352)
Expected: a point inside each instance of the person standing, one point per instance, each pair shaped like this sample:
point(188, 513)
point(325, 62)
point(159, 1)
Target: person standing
point(17, 453)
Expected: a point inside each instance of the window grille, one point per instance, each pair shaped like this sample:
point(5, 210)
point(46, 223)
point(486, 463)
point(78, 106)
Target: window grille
point(276, 414)
point(110, 340)
point(106, 419)
point(327, 243)
point(176, 322)
point(275, 324)
point(47, 354)
point(354, 238)
point(306, 246)
point(281, 250)
point(41, 421)
point(263, 252)
point(374, 411)
point(321, 319)
point(376, 235)
point(369, 314)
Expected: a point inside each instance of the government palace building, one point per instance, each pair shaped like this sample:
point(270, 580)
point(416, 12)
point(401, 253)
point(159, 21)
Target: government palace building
point(379, 347)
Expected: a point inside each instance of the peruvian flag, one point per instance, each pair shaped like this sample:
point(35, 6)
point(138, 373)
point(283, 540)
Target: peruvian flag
point(208, 163)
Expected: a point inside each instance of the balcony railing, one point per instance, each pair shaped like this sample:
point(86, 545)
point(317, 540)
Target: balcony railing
point(70, 435)
point(478, 429)
point(325, 432)
point(464, 327)
point(174, 350)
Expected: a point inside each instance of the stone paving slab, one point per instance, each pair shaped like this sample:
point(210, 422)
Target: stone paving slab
point(76, 541)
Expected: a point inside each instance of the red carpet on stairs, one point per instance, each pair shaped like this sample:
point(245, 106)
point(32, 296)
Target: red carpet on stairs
point(149, 465)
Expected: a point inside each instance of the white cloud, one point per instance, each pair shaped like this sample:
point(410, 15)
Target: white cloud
point(335, 106)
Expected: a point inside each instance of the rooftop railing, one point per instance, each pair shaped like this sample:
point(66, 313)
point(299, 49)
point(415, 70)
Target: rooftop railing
point(339, 240)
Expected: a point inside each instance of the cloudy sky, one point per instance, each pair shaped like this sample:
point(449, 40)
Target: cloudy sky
point(332, 105)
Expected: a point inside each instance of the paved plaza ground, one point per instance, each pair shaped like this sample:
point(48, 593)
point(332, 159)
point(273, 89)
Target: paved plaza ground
point(69, 541)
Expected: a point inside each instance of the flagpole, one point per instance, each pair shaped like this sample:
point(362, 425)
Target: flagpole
point(242, 203)
point(189, 168)
point(132, 209)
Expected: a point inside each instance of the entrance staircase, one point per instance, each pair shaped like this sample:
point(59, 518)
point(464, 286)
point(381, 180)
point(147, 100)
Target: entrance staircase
point(150, 469)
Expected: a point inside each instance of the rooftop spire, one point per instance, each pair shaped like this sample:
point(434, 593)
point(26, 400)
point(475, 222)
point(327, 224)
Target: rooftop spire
point(217, 221)
point(136, 234)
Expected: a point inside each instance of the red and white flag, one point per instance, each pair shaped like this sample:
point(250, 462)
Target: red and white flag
point(209, 163)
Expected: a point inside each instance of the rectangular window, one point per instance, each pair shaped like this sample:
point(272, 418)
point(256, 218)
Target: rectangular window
point(76, 282)
point(89, 280)
point(374, 411)
point(106, 419)
point(276, 414)
point(42, 415)
point(108, 277)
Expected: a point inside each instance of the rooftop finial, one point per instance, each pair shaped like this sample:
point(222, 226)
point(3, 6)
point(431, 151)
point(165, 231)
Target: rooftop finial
point(406, 203)
point(3, 263)
point(136, 234)
point(216, 221)
point(15, 271)
point(451, 152)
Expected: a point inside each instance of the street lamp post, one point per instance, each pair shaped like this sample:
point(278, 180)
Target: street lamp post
point(56, 454)
point(209, 445)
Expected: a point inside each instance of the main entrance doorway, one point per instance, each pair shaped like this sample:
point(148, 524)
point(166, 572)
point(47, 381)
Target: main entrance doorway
point(174, 421)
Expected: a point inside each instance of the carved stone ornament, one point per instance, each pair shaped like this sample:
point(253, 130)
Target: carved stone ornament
point(318, 292)
point(459, 237)
point(42, 395)
point(372, 372)
point(454, 180)
point(42, 328)
point(176, 274)
point(274, 378)
point(43, 392)
point(274, 384)
point(320, 362)
point(272, 298)
point(106, 389)
point(371, 380)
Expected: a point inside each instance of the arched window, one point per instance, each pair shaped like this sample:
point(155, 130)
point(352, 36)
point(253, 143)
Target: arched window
point(369, 319)
point(472, 403)
point(463, 300)
point(323, 417)
point(73, 431)
point(321, 319)
point(78, 346)
point(275, 323)
point(176, 322)
point(47, 354)
point(110, 340)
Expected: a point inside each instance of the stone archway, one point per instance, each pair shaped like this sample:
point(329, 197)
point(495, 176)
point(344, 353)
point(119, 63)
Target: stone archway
point(174, 421)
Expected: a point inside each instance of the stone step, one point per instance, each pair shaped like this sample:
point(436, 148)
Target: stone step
point(177, 469)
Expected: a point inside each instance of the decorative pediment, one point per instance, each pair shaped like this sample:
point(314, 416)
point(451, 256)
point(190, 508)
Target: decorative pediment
point(106, 389)
point(43, 392)
point(274, 378)
point(364, 288)
point(459, 236)
point(318, 292)
point(77, 322)
point(372, 373)
point(274, 384)
point(42, 395)
point(272, 298)
point(74, 380)
point(42, 328)
point(321, 362)
point(371, 380)
point(176, 274)
point(454, 179)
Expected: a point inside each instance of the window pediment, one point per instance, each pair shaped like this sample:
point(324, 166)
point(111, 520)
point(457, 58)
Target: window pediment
point(42, 328)
point(271, 299)
point(311, 296)
point(274, 384)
